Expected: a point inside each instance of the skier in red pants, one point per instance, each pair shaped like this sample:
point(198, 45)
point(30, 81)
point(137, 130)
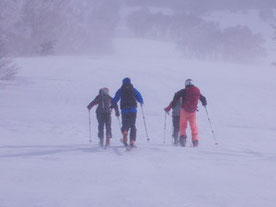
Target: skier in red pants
point(190, 96)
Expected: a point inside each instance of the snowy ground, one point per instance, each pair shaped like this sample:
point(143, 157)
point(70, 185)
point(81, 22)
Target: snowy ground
point(46, 159)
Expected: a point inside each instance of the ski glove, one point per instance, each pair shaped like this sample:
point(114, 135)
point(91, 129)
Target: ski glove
point(117, 113)
point(113, 106)
point(167, 109)
point(204, 102)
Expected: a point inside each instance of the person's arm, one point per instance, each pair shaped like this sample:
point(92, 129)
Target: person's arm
point(177, 96)
point(203, 100)
point(116, 99)
point(93, 103)
point(168, 108)
point(115, 106)
point(138, 96)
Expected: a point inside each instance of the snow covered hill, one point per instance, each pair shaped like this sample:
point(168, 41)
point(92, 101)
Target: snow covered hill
point(46, 159)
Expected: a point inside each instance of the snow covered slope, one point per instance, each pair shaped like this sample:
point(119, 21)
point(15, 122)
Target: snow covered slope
point(46, 159)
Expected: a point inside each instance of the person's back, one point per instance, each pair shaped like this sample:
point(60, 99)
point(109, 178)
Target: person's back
point(128, 96)
point(128, 99)
point(177, 108)
point(104, 102)
point(191, 97)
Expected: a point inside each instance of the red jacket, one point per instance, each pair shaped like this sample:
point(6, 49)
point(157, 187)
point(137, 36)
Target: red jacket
point(190, 96)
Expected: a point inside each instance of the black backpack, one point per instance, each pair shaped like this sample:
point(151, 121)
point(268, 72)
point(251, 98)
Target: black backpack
point(128, 99)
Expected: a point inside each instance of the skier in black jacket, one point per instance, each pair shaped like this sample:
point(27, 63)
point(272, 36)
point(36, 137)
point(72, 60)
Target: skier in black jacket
point(175, 118)
point(103, 112)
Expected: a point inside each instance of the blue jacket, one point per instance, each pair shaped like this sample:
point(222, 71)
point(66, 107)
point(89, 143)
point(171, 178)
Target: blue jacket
point(118, 96)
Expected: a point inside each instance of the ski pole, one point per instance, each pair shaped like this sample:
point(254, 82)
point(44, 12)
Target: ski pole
point(145, 122)
point(119, 122)
point(90, 139)
point(118, 118)
point(165, 126)
point(211, 125)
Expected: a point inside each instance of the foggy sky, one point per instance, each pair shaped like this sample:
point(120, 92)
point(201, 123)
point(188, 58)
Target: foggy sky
point(39, 27)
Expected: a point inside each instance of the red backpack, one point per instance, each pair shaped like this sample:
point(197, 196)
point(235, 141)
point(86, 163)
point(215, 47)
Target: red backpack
point(191, 98)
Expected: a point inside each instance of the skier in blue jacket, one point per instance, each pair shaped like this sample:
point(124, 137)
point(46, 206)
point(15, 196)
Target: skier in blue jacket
point(128, 104)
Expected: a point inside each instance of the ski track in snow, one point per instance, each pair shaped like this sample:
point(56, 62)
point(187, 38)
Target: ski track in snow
point(46, 159)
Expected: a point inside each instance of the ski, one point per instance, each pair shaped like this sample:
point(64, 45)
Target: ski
point(106, 146)
point(130, 147)
point(125, 144)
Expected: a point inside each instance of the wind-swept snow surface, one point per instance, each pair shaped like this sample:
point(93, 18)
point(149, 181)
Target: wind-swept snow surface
point(46, 159)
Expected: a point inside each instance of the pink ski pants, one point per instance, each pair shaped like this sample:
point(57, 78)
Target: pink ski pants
point(186, 117)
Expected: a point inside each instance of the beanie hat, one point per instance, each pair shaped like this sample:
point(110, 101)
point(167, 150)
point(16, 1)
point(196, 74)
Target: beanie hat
point(126, 80)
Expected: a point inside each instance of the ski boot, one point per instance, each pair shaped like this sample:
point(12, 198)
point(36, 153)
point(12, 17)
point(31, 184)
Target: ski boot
point(132, 143)
point(182, 140)
point(101, 142)
point(175, 137)
point(195, 143)
point(175, 140)
point(107, 141)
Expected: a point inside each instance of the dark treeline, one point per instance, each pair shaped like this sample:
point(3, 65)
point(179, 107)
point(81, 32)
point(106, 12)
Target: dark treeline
point(197, 37)
point(203, 6)
point(41, 27)
point(49, 27)
point(185, 25)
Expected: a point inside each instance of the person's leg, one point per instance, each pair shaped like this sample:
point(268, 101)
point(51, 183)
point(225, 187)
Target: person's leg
point(182, 127)
point(133, 130)
point(125, 126)
point(194, 128)
point(100, 128)
point(108, 128)
point(175, 128)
